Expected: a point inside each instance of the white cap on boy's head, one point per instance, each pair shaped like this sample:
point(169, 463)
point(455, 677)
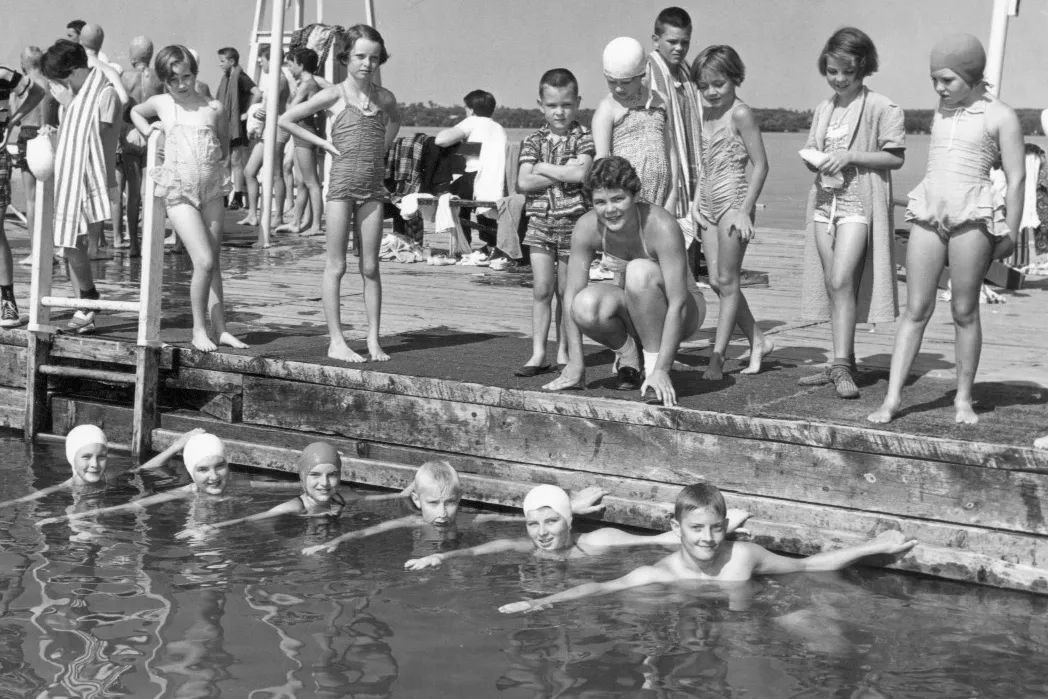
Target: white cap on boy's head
point(624, 58)
point(548, 496)
point(82, 436)
point(201, 447)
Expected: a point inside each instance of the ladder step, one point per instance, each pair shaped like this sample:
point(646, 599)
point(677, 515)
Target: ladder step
point(90, 304)
point(81, 373)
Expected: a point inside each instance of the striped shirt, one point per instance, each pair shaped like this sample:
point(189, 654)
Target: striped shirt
point(559, 206)
point(11, 83)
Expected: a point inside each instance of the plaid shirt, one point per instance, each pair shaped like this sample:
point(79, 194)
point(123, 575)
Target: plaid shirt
point(560, 205)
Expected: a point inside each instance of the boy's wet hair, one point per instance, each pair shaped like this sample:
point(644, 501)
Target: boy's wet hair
point(559, 78)
point(675, 17)
point(171, 56)
point(482, 103)
point(305, 57)
point(77, 25)
point(854, 44)
point(32, 57)
point(230, 53)
point(440, 473)
point(62, 58)
point(613, 172)
point(698, 496)
point(722, 59)
point(354, 34)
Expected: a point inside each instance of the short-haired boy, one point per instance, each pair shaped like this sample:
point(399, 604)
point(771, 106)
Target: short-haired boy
point(700, 520)
point(554, 162)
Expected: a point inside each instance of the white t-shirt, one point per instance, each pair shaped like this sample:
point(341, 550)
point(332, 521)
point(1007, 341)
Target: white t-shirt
point(491, 165)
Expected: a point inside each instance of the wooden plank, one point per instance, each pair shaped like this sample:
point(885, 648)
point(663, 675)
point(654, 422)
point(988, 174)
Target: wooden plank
point(224, 406)
point(144, 415)
point(204, 380)
point(12, 408)
point(962, 494)
point(14, 337)
point(35, 399)
point(13, 360)
point(97, 349)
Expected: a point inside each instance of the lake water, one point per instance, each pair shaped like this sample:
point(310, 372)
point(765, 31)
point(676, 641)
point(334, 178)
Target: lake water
point(120, 607)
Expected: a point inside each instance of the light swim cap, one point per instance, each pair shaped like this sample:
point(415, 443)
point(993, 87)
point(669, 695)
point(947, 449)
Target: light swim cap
point(961, 53)
point(548, 496)
point(200, 448)
point(316, 454)
point(82, 436)
point(624, 58)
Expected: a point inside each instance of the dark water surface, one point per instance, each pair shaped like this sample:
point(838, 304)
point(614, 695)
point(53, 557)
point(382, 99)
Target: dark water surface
point(120, 607)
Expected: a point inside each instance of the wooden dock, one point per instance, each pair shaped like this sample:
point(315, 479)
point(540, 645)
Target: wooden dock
point(806, 465)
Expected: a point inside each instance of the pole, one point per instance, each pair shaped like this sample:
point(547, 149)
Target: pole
point(270, 165)
point(369, 14)
point(998, 38)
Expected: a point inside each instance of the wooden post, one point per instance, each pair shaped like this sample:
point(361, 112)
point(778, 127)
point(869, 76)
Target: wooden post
point(152, 254)
point(39, 351)
point(298, 13)
point(147, 367)
point(270, 164)
point(40, 329)
point(1002, 9)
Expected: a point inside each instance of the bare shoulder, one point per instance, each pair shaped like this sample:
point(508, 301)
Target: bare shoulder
point(742, 116)
point(385, 98)
point(1000, 114)
point(659, 221)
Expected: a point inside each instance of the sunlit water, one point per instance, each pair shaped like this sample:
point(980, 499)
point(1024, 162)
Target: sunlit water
point(120, 607)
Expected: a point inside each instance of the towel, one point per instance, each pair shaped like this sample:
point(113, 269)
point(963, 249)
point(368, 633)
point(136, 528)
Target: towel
point(510, 209)
point(1033, 169)
point(683, 123)
point(447, 222)
point(81, 196)
point(397, 248)
point(229, 95)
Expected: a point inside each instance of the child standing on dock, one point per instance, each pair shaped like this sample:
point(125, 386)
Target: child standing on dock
point(849, 265)
point(554, 162)
point(726, 200)
point(956, 215)
point(193, 181)
point(366, 121)
point(303, 63)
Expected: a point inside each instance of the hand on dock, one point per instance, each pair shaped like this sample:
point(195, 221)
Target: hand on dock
point(891, 543)
point(433, 561)
point(522, 606)
point(588, 500)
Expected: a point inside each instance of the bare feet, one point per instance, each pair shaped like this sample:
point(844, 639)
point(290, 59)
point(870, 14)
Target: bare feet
point(202, 342)
point(377, 353)
point(965, 413)
point(287, 227)
point(757, 356)
point(715, 371)
point(885, 414)
point(227, 339)
point(310, 231)
point(344, 354)
point(249, 220)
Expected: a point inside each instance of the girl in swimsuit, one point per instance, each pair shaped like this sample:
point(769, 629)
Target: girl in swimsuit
point(725, 200)
point(366, 121)
point(193, 182)
point(303, 63)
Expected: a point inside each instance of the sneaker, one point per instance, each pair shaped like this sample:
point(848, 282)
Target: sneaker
point(9, 317)
point(629, 378)
point(82, 322)
point(477, 258)
point(441, 261)
point(843, 382)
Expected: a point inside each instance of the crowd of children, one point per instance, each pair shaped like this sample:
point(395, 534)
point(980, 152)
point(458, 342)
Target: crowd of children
point(674, 156)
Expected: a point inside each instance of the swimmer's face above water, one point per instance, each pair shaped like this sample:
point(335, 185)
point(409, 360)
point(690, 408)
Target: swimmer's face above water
point(364, 59)
point(321, 483)
point(211, 476)
point(701, 532)
point(548, 530)
point(437, 503)
point(559, 105)
point(89, 464)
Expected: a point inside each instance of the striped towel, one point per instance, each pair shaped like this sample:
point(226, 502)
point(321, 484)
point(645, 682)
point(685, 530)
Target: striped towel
point(81, 196)
point(685, 123)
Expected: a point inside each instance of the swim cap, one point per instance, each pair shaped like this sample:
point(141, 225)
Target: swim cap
point(82, 436)
point(961, 53)
point(201, 447)
point(624, 58)
point(316, 454)
point(548, 496)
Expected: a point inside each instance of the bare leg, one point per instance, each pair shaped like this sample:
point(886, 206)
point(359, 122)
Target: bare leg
point(601, 314)
point(133, 173)
point(307, 163)
point(562, 329)
point(7, 271)
point(925, 259)
point(237, 160)
point(970, 254)
point(279, 189)
point(301, 201)
point(543, 289)
point(212, 214)
point(842, 259)
point(79, 267)
point(29, 187)
point(368, 224)
point(334, 269)
point(191, 229)
point(118, 208)
point(251, 170)
point(646, 305)
point(94, 241)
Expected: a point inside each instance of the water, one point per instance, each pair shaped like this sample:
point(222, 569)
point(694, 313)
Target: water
point(121, 608)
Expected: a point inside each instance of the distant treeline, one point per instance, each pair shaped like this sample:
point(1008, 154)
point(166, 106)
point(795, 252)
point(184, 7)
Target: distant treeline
point(770, 120)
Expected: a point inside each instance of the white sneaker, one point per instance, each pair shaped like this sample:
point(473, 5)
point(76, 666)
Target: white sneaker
point(82, 322)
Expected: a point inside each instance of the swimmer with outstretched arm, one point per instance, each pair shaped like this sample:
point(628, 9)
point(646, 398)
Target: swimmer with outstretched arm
point(436, 493)
point(700, 520)
point(547, 512)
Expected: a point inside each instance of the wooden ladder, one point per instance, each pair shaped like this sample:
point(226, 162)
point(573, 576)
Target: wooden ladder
point(41, 333)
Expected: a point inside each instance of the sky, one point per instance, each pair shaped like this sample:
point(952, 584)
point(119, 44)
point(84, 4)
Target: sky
point(442, 49)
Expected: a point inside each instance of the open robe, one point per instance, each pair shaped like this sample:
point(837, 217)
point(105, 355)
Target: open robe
point(685, 121)
point(81, 196)
point(879, 127)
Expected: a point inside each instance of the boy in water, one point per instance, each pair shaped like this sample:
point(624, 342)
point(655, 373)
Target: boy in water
point(705, 555)
point(554, 162)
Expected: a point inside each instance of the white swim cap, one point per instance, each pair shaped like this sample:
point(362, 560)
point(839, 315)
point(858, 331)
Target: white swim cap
point(548, 496)
point(201, 447)
point(82, 436)
point(624, 58)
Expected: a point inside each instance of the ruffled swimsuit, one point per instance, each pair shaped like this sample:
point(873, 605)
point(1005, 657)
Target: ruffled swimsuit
point(956, 188)
point(193, 172)
point(360, 138)
point(641, 139)
point(722, 182)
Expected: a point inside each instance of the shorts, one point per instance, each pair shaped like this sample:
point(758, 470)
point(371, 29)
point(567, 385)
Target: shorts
point(25, 135)
point(5, 181)
point(302, 143)
point(557, 242)
point(282, 137)
point(839, 218)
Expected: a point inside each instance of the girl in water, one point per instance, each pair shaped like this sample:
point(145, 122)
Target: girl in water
point(193, 181)
point(366, 121)
point(955, 215)
point(725, 199)
point(857, 137)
